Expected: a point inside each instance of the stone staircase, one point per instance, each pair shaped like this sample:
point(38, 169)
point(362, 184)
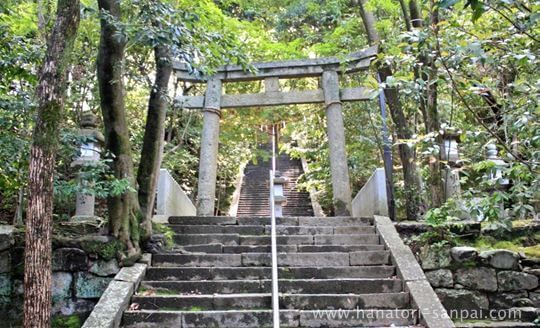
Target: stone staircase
point(255, 190)
point(220, 276)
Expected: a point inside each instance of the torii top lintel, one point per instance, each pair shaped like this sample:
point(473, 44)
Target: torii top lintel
point(351, 63)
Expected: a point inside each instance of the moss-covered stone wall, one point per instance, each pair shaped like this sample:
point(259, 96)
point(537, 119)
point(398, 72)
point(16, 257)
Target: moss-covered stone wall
point(466, 279)
point(83, 266)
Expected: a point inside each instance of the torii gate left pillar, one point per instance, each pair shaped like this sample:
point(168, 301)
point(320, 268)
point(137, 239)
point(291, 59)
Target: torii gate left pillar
point(209, 149)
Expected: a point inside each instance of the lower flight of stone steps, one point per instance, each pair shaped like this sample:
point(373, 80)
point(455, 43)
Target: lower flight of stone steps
point(219, 275)
point(263, 318)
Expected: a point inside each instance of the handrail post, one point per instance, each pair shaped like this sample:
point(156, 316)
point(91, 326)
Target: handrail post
point(275, 288)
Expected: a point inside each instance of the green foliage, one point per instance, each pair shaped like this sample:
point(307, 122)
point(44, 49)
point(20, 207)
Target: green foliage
point(530, 245)
point(106, 250)
point(93, 179)
point(436, 217)
point(166, 231)
point(480, 47)
point(489, 211)
point(71, 321)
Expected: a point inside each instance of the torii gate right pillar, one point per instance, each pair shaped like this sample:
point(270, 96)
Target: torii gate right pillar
point(336, 141)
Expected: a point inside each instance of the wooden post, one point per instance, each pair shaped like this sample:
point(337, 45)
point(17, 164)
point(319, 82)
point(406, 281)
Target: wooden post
point(336, 142)
point(271, 84)
point(209, 149)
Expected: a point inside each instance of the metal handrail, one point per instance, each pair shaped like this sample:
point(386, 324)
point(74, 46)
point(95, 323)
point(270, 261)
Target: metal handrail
point(275, 287)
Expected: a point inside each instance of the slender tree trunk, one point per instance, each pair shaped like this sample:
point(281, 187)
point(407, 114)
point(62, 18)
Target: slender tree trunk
point(428, 101)
point(418, 22)
point(50, 95)
point(438, 195)
point(124, 212)
point(428, 72)
point(43, 13)
point(406, 16)
point(407, 153)
point(416, 16)
point(152, 151)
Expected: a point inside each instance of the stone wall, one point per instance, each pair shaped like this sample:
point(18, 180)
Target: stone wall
point(82, 269)
point(466, 279)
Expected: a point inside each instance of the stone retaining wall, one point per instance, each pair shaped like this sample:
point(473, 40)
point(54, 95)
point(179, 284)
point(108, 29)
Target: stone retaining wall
point(466, 279)
point(82, 269)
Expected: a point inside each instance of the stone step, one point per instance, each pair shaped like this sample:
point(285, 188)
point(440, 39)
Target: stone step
point(320, 230)
point(236, 239)
point(204, 248)
point(280, 240)
point(339, 248)
point(264, 301)
point(308, 221)
point(265, 220)
point(324, 259)
point(359, 230)
point(263, 318)
point(334, 221)
point(211, 229)
point(346, 239)
point(199, 239)
point(311, 240)
point(254, 273)
point(300, 248)
point(198, 220)
point(259, 249)
point(297, 259)
point(305, 286)
point(197, 260)
point(369, 257)
point(344, 301)
point(320, 259)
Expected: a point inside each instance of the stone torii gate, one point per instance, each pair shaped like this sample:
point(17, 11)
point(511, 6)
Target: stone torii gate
point(328, 69)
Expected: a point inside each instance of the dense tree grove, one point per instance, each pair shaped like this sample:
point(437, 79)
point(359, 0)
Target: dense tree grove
point(470, 66)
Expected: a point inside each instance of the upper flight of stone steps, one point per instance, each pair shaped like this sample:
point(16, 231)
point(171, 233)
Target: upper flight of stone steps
point(220, 276)
point(255, 190)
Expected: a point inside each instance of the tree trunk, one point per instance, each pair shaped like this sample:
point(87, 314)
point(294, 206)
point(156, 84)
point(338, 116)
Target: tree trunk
point(406, 16)
point(428, 100)
point(152, 150)
point(124, 212)
point(50, 96)
point(407, 153)
point(438, 194)
point(418, 22)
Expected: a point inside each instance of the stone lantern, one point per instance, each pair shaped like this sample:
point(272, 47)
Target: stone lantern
point(279, 196)
point(89, 155)
point(496, 173)
point(450, 153)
